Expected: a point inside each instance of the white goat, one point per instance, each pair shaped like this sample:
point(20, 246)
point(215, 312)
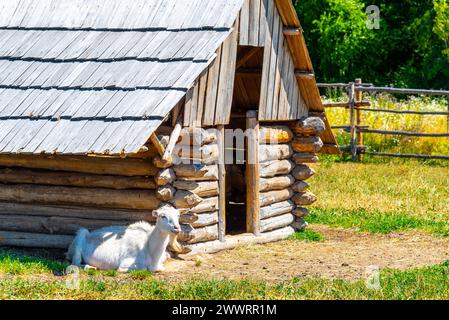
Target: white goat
point(139, 246)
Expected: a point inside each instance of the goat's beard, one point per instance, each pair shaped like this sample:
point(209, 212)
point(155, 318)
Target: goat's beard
point(175, 247)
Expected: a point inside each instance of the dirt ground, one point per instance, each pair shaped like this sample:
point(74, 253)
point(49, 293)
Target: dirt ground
point(344, 254)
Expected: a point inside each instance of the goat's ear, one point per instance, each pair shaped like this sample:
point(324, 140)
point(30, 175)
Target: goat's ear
point(155, 213)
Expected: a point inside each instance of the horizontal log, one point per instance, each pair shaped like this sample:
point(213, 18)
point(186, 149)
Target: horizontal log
point(275, 134)
point(300, 186)
point(273, 168)
point(73, 179)
point(307, 144)
point(187, 233)
point(158, 162)
point(206, 205)
point(207, 154)
point(165, 177)
point(92, 165)
point(300, 158)
point(165, 193)
point(300, 212)
point(89, 197)
point(204, 234)
point(240, 240)
point(312, 126)
point(304, 198)
point(197, 172)
point(198, 136)
point(274, 152)
point(202, 189)
point(34, 240)
point(276, 183)
point(303, 172)
point(75, 212)
point(185, 200)
point(277, 222)
point(277, 209)
point(205, 219)
point(271, 197)
point(52, 225)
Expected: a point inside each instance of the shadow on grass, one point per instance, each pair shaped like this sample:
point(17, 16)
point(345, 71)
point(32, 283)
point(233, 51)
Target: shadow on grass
point(377, 222)
point(19, 263)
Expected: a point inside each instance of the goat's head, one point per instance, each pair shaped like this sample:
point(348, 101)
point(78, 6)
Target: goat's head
point(167, 219)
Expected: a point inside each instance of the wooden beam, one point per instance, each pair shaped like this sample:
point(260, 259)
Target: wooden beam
point(304, 74)
point(167, 156)
point(246, 57)
point(252, 175)
point(292, 31)
point(158, 145)
point(82, 164)
point(221, 185)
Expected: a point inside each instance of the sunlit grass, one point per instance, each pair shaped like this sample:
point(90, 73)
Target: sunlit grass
point(397, 122)
point(424, 283)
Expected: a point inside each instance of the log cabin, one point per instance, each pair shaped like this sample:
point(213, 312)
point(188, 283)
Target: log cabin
point(94, 95)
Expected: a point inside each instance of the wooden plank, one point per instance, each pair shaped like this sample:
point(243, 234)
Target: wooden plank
point(93, 197)
point(254, 21)
point(212, 91)
point(221, 185)
point(73, 179)
point(226, 80)
point(252, 175)
point(82, 164)
point(158, 145)
point(268, 49)
point(244, 24)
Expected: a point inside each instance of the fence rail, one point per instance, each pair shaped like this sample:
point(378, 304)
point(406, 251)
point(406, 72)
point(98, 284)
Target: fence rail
point(356, 106)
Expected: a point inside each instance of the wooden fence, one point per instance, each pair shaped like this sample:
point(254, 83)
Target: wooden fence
point(356, 106)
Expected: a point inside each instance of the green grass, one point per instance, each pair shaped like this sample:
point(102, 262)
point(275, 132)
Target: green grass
point(382, 198)
point(12, 263)
point(377, 222)
point(424, 283)
point(307, 235)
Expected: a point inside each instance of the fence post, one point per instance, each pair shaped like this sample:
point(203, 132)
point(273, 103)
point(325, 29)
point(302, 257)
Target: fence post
point(359, 137)
point(353, 132)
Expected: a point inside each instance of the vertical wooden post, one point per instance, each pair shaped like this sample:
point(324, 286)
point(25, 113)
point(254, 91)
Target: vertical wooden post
point(359, 136)
point(353, 127)
point(221, 185)
point(252, 174)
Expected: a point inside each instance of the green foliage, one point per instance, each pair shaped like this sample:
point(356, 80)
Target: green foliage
point(307, 235)
point(407, 50)
point(442, 22)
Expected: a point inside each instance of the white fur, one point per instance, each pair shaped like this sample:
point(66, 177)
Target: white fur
point(139, 246)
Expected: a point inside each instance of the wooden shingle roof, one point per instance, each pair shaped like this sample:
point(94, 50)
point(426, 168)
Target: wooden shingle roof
point(99, 76)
